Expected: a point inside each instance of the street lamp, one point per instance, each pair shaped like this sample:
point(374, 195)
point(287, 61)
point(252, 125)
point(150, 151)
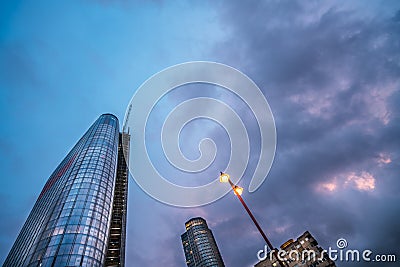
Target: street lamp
point(225, 178)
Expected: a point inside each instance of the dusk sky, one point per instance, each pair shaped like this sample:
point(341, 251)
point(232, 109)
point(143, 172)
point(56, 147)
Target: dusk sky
point(330, 71)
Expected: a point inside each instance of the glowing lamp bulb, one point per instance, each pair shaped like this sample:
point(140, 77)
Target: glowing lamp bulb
point(238, 190)
point(224, 177)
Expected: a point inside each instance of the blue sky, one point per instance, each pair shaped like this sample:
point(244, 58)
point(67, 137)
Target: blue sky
point(64, 64)
point(330, 71)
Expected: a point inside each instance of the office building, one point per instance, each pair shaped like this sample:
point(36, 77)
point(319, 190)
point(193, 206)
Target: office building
point(79, 218)
point(199, 245)
point(304, 252)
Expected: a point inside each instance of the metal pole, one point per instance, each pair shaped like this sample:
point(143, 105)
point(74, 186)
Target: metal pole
point(257, 225)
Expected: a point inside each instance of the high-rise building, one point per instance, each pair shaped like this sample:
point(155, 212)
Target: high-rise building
point(79, 217)
point(199, 245)
point(301, 252)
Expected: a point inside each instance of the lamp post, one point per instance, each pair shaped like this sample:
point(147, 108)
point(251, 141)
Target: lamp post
point(225, 178)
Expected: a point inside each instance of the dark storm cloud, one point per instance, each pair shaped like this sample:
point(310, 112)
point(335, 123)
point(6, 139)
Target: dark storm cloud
point(330, 72)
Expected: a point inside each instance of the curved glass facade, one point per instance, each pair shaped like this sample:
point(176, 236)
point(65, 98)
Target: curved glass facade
point(199, 245)
point(69, 224)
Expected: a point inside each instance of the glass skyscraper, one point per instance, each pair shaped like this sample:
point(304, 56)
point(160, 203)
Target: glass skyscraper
point(79, 218)
point(199, 245)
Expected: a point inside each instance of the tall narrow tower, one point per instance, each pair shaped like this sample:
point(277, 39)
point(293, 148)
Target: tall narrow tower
point(116, 242)
point(199, 245)
point(80, 205)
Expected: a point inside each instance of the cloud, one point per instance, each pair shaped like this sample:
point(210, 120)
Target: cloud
point(327, 187)
point(363, 182)
point(384, 159)
point(330, 71)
